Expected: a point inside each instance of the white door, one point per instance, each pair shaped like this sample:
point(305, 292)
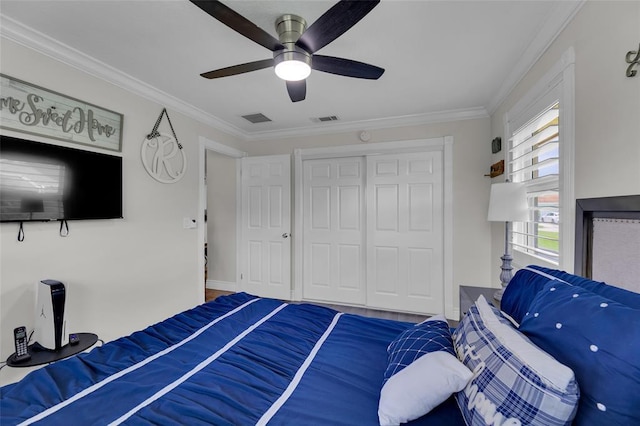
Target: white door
point(266, 225)
point(334, 225)
point(405, 269)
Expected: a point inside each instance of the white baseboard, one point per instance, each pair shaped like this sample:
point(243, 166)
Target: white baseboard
point(221, 285)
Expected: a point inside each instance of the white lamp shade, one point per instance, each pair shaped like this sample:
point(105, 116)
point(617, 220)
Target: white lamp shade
point(508, 202)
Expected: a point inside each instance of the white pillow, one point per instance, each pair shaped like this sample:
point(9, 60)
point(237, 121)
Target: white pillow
point(430, 377)
point(549, 370)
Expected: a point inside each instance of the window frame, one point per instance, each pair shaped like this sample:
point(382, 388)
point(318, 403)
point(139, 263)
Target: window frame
point(557, 84)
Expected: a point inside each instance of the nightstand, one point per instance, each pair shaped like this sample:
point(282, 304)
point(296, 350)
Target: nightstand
point(469, 295)
point(40, 355)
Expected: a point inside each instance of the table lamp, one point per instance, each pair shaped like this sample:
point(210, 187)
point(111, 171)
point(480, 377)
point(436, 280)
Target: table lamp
point(507, 203)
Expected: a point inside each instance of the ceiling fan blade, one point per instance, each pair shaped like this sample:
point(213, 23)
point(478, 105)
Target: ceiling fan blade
point(346, 67)
point(239, 23)
point(238, 69)
point(335, 22)
point(297, 90)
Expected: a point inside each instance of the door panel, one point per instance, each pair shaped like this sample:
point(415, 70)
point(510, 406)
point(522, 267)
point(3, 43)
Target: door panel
point(405, 239)
point(266, 220)
point(333, 218)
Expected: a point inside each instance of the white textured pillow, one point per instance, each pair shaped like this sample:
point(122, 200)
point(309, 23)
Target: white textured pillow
point(533, 357)
point(420, 387)
point(432, 375)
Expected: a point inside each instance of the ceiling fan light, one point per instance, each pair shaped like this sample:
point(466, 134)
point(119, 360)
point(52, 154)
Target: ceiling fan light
point(293, 64)
point(293, 70)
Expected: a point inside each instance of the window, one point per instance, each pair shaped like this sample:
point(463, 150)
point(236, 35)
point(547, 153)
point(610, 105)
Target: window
point(540, 133)
point(534, 156)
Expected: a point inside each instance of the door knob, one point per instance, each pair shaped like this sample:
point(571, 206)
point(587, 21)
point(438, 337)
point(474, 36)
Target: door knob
point(286, 235)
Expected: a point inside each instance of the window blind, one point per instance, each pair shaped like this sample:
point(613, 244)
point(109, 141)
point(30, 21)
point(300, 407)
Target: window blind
point(534, 159)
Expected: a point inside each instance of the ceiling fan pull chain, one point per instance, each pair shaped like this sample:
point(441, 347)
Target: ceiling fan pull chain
point(154, 133)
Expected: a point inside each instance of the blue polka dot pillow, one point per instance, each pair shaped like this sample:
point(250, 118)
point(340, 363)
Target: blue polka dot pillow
point(522, 289)
point(527, 283)
point(621, 295)
point(422, 372)
point(514, 382)
point(600, 339)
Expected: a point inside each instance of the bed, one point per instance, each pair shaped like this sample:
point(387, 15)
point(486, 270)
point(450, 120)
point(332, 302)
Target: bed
point(238, 360)
point(562, 350)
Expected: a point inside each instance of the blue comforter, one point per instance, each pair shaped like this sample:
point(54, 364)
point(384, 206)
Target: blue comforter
point(240, 360)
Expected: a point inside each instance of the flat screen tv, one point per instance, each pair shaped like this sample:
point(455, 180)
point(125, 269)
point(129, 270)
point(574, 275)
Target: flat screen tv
point(43, 182)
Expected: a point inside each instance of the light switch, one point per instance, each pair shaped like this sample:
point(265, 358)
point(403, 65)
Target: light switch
point(189, 223)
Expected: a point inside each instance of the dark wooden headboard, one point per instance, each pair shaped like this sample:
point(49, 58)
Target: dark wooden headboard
point(588, 209)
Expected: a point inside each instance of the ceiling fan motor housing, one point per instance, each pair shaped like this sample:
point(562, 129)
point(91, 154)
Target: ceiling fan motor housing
point(289, 28)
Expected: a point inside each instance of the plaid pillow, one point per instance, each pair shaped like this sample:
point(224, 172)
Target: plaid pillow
point(513, 379)
point(428, 336)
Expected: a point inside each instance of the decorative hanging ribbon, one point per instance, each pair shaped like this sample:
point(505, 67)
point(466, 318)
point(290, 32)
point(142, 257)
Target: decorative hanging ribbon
point(21, 233)
point(162, 155)
point(64, 228)
point(154, 133)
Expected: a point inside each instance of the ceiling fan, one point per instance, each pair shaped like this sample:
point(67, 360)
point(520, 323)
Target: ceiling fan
point(294, 53)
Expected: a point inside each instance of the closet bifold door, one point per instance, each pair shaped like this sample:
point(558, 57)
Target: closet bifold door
point(334, 230)
point(405, 232)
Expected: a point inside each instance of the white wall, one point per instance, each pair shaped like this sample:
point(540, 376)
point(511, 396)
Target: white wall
point(471, 160)
point(607, 116)
point(122, 274)
point(221, 221)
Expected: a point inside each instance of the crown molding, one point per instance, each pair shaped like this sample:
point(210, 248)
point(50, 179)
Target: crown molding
point(35, 40)
point(381, 123)
point(558, 19)
point(39, 42)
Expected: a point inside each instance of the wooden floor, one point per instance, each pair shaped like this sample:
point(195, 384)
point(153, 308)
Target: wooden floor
point(210, 294)
point(397, 316)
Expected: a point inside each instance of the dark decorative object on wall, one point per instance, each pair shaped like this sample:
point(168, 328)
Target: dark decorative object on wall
point(633, 62)
point(496, 145)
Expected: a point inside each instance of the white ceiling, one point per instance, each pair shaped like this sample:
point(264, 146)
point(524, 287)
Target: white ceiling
point(444, 60)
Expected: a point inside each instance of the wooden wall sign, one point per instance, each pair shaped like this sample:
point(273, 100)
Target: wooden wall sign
point(496, 169)
point(28, 108)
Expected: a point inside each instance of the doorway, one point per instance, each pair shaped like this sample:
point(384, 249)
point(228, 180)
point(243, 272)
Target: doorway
point(221, 243)
point(219, 207)
point(245, 206)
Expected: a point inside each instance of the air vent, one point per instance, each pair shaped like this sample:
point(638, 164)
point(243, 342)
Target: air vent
point(328, 118)
point(256, 118)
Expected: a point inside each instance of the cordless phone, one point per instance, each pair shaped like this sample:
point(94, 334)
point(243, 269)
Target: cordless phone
point(20, 339)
